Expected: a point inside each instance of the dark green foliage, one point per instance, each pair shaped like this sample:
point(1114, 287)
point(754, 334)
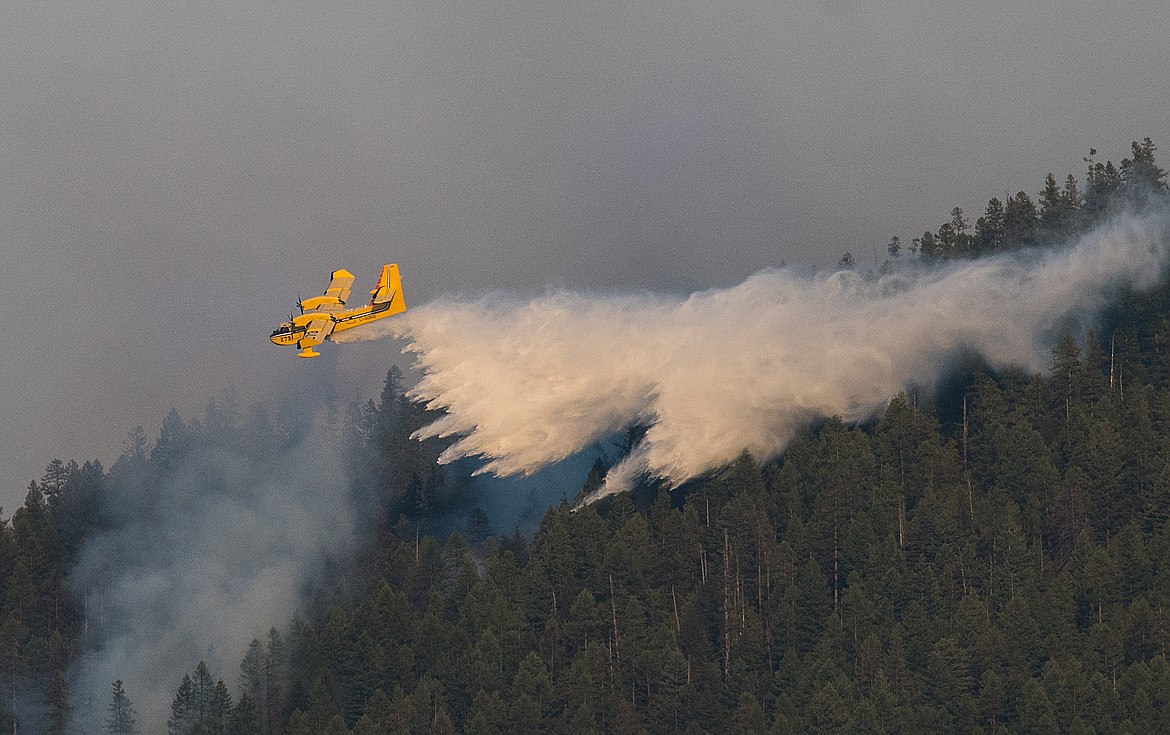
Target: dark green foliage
point(182, 719)
point(1020, 220)
point(907, 577)
point(990, 234)
point(1140, 173)
point(1060, 213)
point(201, 707)
point(1058, 209)
point(1006, 571)
point(928, 248)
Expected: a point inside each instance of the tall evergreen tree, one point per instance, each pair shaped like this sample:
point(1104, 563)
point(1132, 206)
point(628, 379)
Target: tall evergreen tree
point(122, 717)
point(990, 229)
point(182, 718)
point(1103, 184)
point(928, 248)
point(275, 678)
point(894, 248)
point(1020, 220)
point(244, 719)
point(1140, 174)
point(1058, 209)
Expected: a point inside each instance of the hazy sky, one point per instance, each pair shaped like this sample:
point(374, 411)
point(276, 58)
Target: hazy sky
point(172, 174)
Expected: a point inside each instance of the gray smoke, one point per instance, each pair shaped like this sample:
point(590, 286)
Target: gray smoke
point(526, 383)
point(196, 565)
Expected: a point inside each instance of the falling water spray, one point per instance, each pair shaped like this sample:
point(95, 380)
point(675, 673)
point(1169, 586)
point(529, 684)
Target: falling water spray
point(524, 383)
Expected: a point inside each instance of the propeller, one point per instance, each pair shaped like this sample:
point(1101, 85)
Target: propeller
point(291, 314)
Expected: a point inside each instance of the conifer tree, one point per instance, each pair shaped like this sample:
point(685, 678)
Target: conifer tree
point(894, 248)
point(202, 693)
point(275, 676)
point(990, 232)
point(122, 717)
point(1057, 208)
point(244, 719)
point(1140, 175)
point(928, 248)
point(182, 717)
point(1103, 183)
point(219, 718)
point(1020, 220)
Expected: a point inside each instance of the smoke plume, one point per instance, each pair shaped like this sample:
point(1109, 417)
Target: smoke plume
point(526, 383)
point(206, 546)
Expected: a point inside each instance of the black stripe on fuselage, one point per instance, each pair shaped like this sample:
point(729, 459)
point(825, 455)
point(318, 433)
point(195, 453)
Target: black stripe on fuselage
point(378, 309)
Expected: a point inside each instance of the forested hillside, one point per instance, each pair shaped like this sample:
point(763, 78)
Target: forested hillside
point(994, 558)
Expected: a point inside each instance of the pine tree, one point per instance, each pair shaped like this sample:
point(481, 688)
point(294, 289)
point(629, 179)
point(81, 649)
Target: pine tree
point(1139, 174)
point(322, 707)
point(748, 718)
point(894, 248)
point(174, 443)
point(182, 717)
point(135, 446)
point(1036, 713)
point(1102, 185)
point(479, 527)
point(951, 684)
point(275, 676)
point(121, 720)
point(1072, 194)
point(1057, 208)
point(54, 479)
point(829, 712)
point(219, 718)
point(990, 232)
point(953, 240)
point(928, 248)
point(489, 714)
point(244, 719)
point(1020, 221)
point(992, 697)
point(202, 692)
point(530, 694)
point(336, 726)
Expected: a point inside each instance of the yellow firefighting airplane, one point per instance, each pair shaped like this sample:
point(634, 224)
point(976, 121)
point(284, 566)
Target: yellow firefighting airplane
point(323, 315)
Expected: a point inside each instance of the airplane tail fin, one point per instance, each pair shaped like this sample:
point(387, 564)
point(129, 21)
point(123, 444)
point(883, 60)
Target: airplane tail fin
point(389, 289)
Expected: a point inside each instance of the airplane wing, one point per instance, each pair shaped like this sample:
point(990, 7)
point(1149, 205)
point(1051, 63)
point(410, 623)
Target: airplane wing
point(340, 284)
point(334, 297)
point(317, 329)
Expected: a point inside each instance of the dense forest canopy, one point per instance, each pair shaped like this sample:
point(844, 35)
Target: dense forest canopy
point(994, 558)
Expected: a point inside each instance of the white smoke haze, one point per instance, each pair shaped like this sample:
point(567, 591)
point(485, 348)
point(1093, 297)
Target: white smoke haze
point(198, 566)
point(526, 383)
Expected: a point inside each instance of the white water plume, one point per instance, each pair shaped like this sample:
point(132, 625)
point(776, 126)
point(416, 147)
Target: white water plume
point(526, 383)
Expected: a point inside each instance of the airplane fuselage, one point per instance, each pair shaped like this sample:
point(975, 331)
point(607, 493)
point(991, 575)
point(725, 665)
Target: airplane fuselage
point(289, 333)
point(322, 316)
